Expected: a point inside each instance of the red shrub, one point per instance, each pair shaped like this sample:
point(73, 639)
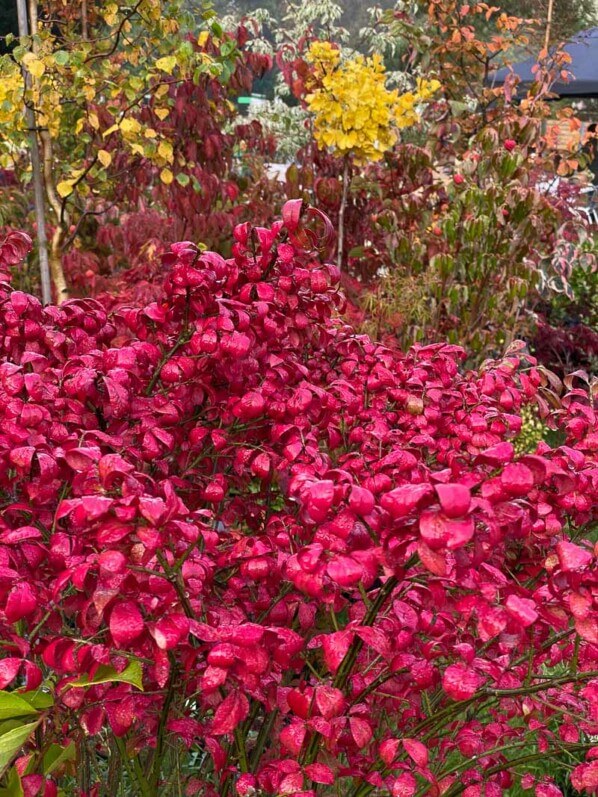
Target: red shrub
point(324, 552)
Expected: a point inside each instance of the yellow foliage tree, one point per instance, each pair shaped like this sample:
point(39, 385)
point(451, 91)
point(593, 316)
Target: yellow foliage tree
point(85, 85)
point(356, 116)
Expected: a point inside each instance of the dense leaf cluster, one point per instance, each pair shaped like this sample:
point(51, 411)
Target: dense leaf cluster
point(321, 559)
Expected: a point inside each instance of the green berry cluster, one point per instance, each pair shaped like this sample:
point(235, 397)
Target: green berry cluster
point(532, 430)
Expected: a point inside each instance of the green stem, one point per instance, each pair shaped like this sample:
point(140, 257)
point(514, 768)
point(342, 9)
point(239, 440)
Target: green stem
point(347, 664)
point(156, 767)
point(260, 742)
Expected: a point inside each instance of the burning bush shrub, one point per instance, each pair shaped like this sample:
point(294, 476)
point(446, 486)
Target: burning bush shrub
point(245, 550)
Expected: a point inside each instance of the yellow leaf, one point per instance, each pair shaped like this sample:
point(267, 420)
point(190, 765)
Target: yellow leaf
point(130, 126)
point(65, 188)
point(34, 65)
point(110, 130)
point(162, 113)
point(166, 176)
point(94, 121)
point(166, 64)
point(88, 92)
point(110, 13)
point(79, 125)
point(165, 151)
point(105, 158)
point(149, 132)
point(203, 38)
point(137, 149)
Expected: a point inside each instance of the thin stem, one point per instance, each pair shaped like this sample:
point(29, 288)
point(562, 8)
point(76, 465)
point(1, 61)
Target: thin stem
point(341, 215)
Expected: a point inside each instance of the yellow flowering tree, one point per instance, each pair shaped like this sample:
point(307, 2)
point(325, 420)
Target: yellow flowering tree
point(86, 81)
point(356, 116)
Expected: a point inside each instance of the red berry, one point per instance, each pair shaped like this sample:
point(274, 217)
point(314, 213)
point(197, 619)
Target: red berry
point(510, 144)
point(458, 179)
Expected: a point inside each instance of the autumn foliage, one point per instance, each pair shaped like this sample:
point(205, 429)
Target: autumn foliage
point(250, 551)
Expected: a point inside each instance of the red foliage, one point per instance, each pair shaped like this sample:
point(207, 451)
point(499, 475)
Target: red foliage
point(303, 535)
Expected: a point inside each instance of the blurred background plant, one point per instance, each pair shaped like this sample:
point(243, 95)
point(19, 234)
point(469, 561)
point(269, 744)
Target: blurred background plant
point(450, 234)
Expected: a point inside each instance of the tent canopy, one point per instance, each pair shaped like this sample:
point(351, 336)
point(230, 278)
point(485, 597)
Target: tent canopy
point(583, 50)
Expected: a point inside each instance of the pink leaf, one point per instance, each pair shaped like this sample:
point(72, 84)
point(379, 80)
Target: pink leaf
point(9, 669)
point(455, 499)
point(336, 646)
point(361, 730)
point(21, 602)
point(330, 701)
point(417, 751)
point(522, 610)
point(572, 557)
point(439, 531)
point(230, 713)
point(460, 682)
point(403, 500)
point(404, 786)
point(320, 773)
point(344, 570)
point(517, 479)
point(293, 736)
point(126, 623)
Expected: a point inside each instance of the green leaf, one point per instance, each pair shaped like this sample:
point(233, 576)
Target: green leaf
point(57, 755)
point(13, 705)
point(61, 57)
point(132, 674)
point(357, 251)
point(228, 47)
point(38, 699)
point(13, 741)
point(183, 179)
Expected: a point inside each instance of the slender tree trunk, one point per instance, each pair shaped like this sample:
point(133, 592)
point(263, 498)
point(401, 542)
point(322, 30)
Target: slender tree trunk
point(548, 23)
point(38, 187)
point(47, 156)
point(62, 292)
point(84, 28)
point(341, 215)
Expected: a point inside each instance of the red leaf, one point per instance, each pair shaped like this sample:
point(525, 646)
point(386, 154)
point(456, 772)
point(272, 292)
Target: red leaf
point(293, 736)
point(21, 602)
point(417, 751)
point(460, 682)
point(9, 669)
point(403, 500)
point(14, 248)
point(344, 570)
point(404, 786)
point(320, 773)
point(517, 479)
point(230, 713)
point(521, 609)
point(170, 631)
point(126, 623)
point(335, 647)
point(572, 557)
point(455, 499)
point(439, 531)
point(330, 701)
point(361, 731)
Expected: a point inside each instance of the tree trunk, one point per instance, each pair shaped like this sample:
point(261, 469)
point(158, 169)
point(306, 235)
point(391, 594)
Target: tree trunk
point(60, 287)
point(341, 215)
point(47, 156)
point(548, 24)
point(84, 28)
point(37, 179)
